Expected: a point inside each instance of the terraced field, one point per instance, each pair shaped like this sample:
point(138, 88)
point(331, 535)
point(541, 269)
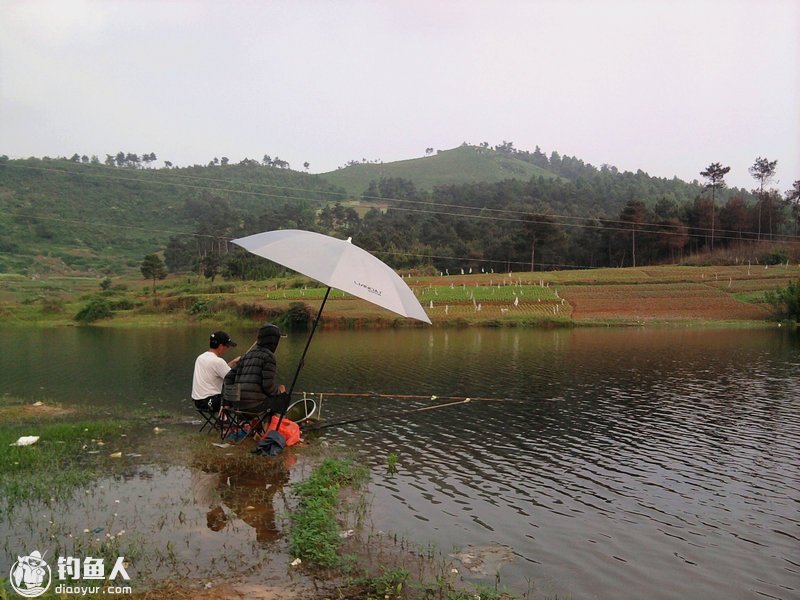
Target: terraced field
point(659, 302)
point(652, 294)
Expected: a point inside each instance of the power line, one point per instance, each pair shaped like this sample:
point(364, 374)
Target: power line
point(524, 213)
point(531, 217)
point(602, 227)
point(660, 227)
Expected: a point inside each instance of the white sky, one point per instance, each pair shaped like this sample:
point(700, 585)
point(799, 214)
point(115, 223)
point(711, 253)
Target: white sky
point(663, 86)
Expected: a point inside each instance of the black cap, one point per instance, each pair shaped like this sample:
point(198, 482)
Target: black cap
point(220, 338)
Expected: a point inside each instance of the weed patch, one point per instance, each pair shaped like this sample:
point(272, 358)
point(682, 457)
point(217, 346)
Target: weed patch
point(315, 533)
point(54, 466)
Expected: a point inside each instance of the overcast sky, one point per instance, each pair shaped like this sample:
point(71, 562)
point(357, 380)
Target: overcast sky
point(663, 86)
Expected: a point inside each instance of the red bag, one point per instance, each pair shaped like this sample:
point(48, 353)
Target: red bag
point(289, 429)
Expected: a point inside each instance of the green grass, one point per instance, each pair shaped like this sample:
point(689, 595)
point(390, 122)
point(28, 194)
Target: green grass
point(464, 164)
point(750, 297)
point(61, 216)
point(191, 299)
point(54, 466)
point(484, 293)
point(315, 534)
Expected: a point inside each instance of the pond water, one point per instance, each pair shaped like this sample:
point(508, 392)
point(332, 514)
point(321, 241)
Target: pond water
point(599, 463)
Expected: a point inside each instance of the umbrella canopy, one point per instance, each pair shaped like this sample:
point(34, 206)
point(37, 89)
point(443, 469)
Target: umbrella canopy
point(338, 264)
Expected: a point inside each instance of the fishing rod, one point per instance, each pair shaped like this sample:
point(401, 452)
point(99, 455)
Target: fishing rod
point(389, 414)
point(406, 396)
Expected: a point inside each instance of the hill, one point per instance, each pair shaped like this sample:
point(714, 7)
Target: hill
point(469, 207)
point(463, 165)
point(59, 215)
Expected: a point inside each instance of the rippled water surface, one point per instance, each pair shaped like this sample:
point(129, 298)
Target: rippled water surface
point(642, 463)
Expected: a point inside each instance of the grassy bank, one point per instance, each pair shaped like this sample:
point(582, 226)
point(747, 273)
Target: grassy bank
point(628, 296)
point(69, 453)
point(66, 494)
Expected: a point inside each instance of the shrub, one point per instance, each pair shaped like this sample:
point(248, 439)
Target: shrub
point(227, 305)
point(52, 305)
point(776, 257)
point(96, 309)
point(258, 312)
point(183, 303)
point(786, 301)
point(296, 317)
point(297, 283)
point(200, 307)
point(123, 304)
point(222, 288)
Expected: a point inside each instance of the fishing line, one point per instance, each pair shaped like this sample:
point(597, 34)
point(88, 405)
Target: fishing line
point(408, 396)
point(316, 427)
point(451, 401)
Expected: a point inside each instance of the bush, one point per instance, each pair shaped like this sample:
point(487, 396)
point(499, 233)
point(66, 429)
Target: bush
point(258, 312)
point(52, 305)
point(96, 309)
point(786, 301)
point(200, 307)
point(222, 288)
point(776, 257)
point(189, 303)
point(123, 304)
point(296, 317)
point(301, 282)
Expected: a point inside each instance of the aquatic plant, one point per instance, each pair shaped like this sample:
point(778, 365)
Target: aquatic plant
point(391, 583)
point(315, 535)
point(391, 463)
point(21, 466)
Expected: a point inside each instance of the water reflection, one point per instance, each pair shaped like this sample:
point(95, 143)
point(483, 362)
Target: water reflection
point(653, 463)
point(246, 494)
point(171, 521)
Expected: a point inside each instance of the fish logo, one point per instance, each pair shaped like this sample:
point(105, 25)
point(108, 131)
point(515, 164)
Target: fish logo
point(30, 575)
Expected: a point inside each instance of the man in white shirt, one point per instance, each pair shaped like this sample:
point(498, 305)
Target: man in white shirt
point(209, 372)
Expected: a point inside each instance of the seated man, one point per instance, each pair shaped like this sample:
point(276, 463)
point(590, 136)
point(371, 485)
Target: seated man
point(255, 376)
point(209, 372)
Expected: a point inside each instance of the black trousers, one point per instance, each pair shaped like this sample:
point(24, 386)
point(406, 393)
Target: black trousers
point(210, 404)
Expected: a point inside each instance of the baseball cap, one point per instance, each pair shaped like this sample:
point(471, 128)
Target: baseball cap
point(219, 338)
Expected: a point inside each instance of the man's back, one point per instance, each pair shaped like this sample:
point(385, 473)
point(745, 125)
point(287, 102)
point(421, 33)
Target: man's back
point(209, 371)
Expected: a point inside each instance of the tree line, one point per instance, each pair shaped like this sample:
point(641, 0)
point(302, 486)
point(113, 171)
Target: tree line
point(516, 225)
point(136, 161)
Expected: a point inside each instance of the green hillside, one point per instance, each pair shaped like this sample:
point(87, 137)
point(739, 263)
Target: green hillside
point(79, 217)
point(60, 215)
point(462, 165)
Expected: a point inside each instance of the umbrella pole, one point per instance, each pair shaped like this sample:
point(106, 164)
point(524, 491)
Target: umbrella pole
point(308, 343)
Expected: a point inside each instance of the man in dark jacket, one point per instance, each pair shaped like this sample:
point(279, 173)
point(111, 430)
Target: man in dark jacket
point(254, 380)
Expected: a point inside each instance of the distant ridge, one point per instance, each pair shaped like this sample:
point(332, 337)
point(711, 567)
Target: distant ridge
point(79, 216)
point(463, 165)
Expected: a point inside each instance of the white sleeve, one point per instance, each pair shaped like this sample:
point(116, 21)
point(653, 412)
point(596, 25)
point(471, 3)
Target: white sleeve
point(221, 367)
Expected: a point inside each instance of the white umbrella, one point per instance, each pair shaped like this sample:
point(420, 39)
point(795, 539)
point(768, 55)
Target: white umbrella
point(338, 264)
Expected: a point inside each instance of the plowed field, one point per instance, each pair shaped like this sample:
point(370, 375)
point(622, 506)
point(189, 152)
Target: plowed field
point(659, 302)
